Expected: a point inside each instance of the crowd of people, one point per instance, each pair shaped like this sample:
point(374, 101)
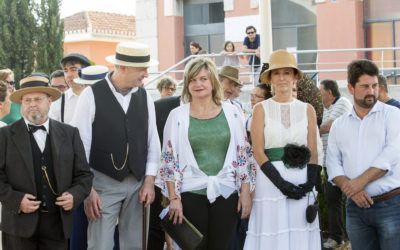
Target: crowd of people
point(86, 156)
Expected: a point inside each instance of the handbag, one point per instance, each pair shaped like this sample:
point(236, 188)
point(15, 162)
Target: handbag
point(312, 209)
point(185, 235)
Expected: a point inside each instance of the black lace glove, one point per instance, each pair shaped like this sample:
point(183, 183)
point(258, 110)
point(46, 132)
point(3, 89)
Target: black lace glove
point(313, 177)
point(287, 188)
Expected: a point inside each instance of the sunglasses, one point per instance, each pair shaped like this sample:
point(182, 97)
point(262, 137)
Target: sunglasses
point(12, 83)
point(250, 32)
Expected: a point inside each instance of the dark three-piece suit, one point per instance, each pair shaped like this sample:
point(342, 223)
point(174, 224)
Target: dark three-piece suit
point(20, 173)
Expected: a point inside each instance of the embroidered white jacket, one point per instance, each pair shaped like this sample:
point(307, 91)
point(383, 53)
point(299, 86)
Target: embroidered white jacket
point(179, 165)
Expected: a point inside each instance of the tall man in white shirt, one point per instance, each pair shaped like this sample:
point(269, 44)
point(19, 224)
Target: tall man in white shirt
point(363, 159)
point(117, 122)
point(63, 109)
point(335, 105)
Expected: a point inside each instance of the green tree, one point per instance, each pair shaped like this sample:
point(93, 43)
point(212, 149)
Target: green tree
point(51, 36)
point(17, 36)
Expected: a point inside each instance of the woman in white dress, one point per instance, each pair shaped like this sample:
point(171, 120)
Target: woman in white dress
point(278, 217)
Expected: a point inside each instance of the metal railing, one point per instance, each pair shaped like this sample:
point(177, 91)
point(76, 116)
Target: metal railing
point(313, 68)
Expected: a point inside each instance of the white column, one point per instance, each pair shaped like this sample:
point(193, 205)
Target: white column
point(265, 29)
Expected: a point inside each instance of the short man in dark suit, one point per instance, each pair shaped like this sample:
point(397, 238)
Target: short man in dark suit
point(44, 174)
point(156, 239)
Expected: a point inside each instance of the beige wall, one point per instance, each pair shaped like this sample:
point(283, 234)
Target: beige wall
point(339, 26)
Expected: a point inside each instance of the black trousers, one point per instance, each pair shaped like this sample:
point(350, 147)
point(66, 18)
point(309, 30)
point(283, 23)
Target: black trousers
point(216, 221)
point(335, 203)
point(48, 236)
point(156, 237)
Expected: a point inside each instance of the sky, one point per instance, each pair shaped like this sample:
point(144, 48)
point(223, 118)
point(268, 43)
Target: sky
point(70, 7)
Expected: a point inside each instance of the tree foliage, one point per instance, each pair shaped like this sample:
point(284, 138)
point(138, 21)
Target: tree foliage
point(31, 36)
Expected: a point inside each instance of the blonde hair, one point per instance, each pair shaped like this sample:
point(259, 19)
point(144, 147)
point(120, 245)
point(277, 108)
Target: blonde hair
point(3, 91)
point(4, 73)
point(192, 69)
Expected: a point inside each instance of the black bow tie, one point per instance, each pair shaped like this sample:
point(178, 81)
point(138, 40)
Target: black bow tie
point(34, 128)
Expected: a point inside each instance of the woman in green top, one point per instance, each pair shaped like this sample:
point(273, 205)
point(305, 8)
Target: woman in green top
point(206, 159)
point(14, 114)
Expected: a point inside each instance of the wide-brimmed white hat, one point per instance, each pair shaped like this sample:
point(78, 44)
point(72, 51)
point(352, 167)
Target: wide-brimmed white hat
point(34, 83)
point(92, 74)
point(132, 54)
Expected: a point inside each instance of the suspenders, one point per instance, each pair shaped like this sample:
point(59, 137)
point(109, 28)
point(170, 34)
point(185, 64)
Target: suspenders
point(62, 106)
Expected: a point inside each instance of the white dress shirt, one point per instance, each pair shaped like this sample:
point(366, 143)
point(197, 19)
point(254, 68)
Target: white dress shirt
point(71, 99)
point(2, 124)
point(84, 117)
point(355, 144)
point(40, 135)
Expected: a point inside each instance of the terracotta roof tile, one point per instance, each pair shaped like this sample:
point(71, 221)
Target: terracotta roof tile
point(100, 23)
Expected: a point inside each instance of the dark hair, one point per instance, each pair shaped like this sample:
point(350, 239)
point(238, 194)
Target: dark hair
point(3, 91)
point(165, 82)
point(250, 27)
point(56, 74)
point(382, 82)
point(266, 88)
point(331, 85)
point(227, 43)
point(196, 45)
point(360, 67)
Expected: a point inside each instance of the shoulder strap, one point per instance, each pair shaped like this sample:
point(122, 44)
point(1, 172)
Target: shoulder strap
point(62, 106)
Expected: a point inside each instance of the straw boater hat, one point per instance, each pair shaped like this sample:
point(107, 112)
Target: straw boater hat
point(92, 74)
point(32, 84)
point(280, 59)
point(132, 54)
point(231, 73)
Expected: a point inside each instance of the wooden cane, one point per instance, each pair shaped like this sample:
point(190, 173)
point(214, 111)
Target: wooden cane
point(144, 223)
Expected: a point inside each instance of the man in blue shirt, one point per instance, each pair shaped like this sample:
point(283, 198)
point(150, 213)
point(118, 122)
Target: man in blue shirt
point(384, 93)
point(251, 44)
point(363, 160)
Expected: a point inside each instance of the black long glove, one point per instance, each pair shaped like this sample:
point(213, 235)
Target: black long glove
point(313, 177)
point(287, 188)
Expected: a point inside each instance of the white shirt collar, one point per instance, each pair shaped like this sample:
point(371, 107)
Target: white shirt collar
point(45, 124)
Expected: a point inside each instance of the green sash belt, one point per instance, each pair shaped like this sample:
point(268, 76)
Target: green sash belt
point(274, 154)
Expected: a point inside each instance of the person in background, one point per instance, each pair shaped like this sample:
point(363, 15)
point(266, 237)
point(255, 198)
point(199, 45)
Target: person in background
point(283, 191)
point(57, 80)
point(166, 86)
point(5, 103)
point(251, 44)
point(63, 109)
point(196, 49)
point(229, 53)
point(384, 93)
point(363, 160)
point(334, 106)
point(231, 85)
point(208, 135)
point(7, 76)
point(259, 93)
point(307, 91)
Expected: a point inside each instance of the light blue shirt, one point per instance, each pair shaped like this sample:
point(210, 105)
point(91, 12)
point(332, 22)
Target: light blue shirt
point(355, 144)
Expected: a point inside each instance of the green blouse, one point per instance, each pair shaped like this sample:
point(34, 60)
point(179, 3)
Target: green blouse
point(209, 139)
point(14, 115)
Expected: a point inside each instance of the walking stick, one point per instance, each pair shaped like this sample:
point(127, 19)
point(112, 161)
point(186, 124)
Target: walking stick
point(144, 229)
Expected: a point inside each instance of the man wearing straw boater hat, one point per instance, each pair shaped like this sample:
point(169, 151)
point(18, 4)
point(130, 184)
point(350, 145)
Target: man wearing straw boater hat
point(117, 122)
point(43, 172)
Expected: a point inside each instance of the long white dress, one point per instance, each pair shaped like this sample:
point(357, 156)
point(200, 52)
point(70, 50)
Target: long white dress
point(278, 223)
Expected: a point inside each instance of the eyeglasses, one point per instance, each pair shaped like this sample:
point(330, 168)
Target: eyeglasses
point(250, 32)
point(12, 83)
point(35, 100)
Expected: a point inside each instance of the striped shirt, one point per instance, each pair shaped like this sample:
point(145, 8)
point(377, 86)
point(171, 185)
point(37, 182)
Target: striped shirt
point(340, 106)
